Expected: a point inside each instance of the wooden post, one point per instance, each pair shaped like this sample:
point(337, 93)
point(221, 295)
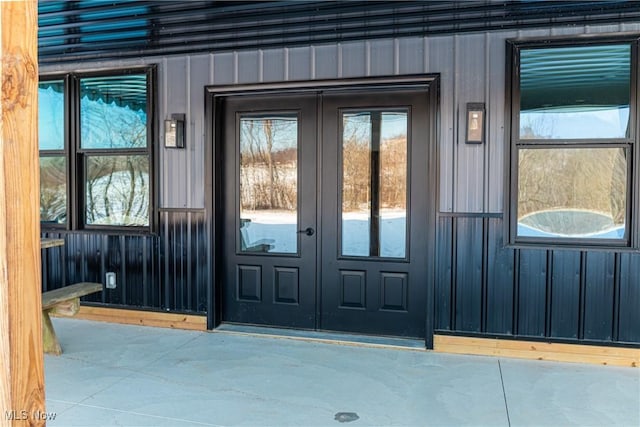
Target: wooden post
point(21, 361)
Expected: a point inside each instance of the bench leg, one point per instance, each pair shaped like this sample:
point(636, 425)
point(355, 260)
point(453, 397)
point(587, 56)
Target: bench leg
point(49, 338)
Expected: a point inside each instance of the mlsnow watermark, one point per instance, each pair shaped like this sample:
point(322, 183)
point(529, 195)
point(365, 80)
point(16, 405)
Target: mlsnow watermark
point(24, 415)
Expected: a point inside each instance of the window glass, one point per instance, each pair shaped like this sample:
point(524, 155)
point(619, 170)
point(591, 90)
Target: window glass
point(53, 189)
point(113, 112)
point(374, 184)
point(572, 192)
point(51, 115)
point(269, 184)
point(575, 92)
point(117, 190)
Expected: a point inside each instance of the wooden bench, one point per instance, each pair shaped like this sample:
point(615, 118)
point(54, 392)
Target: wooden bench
point(64, 301)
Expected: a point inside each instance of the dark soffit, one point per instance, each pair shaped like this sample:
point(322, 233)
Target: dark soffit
point(74, 31)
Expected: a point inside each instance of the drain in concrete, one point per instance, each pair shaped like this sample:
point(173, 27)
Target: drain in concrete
point(346, 417)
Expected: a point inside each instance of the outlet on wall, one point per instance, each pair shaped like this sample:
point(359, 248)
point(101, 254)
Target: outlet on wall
point(110, 279)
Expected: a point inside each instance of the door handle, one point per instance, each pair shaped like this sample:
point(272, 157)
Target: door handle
point(308, 231)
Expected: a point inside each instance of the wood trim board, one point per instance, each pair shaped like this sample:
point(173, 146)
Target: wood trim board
point(558, 352)
point(143, 318)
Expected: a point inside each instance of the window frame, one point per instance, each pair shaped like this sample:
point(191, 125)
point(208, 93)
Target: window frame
point(631, 239)
point(76, 156)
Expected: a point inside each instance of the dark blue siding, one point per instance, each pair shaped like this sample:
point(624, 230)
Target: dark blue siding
point(468, 293)
point(532, 292)
point(628, 313)
point(167, 271)
point(599, 295)
point(561, 295)
point(500, 281)
point(444, 275)
point(565, 294)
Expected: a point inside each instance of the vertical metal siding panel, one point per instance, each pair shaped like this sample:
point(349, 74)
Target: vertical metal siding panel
point(442, 60)
point(164, 261)
point(629, 307)
point(154, 283)
point(203, 278)
point(179, 259)
point(74, 249)
point(249, 67)
point(93, 263)
point(532, 292)
point(199, 78)
point(104, 248)
point(176, 166)
point(133, 269)
point(189, 262)
point(197, 263)
point(444, 273)
point(470, 87)
point(273, 65)
point(193, 260)
point(122, 273)
point(354, 59)
point(114, 264)
point(299, 63)
point(175, 266)
point(497, 144)
point(599, 287)
point(411, 55)
point(500, 277)
point(53, 265)
point(567, 31)
point(629, 27)
point(614, 28)
point(381, 57)
point(326, 62)
point(223, 68)
point(538, 33)
point(468, 304)
point(565, 294)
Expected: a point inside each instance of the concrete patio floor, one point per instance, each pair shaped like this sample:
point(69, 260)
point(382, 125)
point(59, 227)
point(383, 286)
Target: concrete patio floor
point(118, 375)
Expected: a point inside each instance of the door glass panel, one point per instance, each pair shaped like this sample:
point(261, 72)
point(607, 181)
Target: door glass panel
point(356, 183)
point(374, 184)
point(269, 184)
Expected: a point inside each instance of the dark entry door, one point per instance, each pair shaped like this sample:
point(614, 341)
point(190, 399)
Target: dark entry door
point(374, 213)
point(269, 237)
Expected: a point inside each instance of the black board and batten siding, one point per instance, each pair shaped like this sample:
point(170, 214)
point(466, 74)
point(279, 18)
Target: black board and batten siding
point(481, 286)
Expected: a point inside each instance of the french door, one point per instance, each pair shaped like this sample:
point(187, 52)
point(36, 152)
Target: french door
point(269, 259)
point(325, 211)
point(374, 213)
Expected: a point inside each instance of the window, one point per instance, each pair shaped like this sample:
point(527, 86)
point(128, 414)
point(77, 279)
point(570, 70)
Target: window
point(96, 151)
point(573, 143)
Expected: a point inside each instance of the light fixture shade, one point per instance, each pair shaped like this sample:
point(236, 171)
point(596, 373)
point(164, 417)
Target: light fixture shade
point(174, 131)
point(475, 123)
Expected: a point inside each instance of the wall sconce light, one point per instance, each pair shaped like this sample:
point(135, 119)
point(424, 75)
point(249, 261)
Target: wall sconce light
point(475, 123)
point(174, 131)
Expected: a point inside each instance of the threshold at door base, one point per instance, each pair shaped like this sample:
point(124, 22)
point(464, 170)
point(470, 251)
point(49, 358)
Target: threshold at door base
point(322, 336)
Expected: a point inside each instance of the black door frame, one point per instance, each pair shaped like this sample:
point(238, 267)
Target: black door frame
point(214, 96)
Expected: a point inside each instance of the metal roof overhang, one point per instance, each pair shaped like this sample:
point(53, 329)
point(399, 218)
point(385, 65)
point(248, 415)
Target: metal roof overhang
point(75, 31)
